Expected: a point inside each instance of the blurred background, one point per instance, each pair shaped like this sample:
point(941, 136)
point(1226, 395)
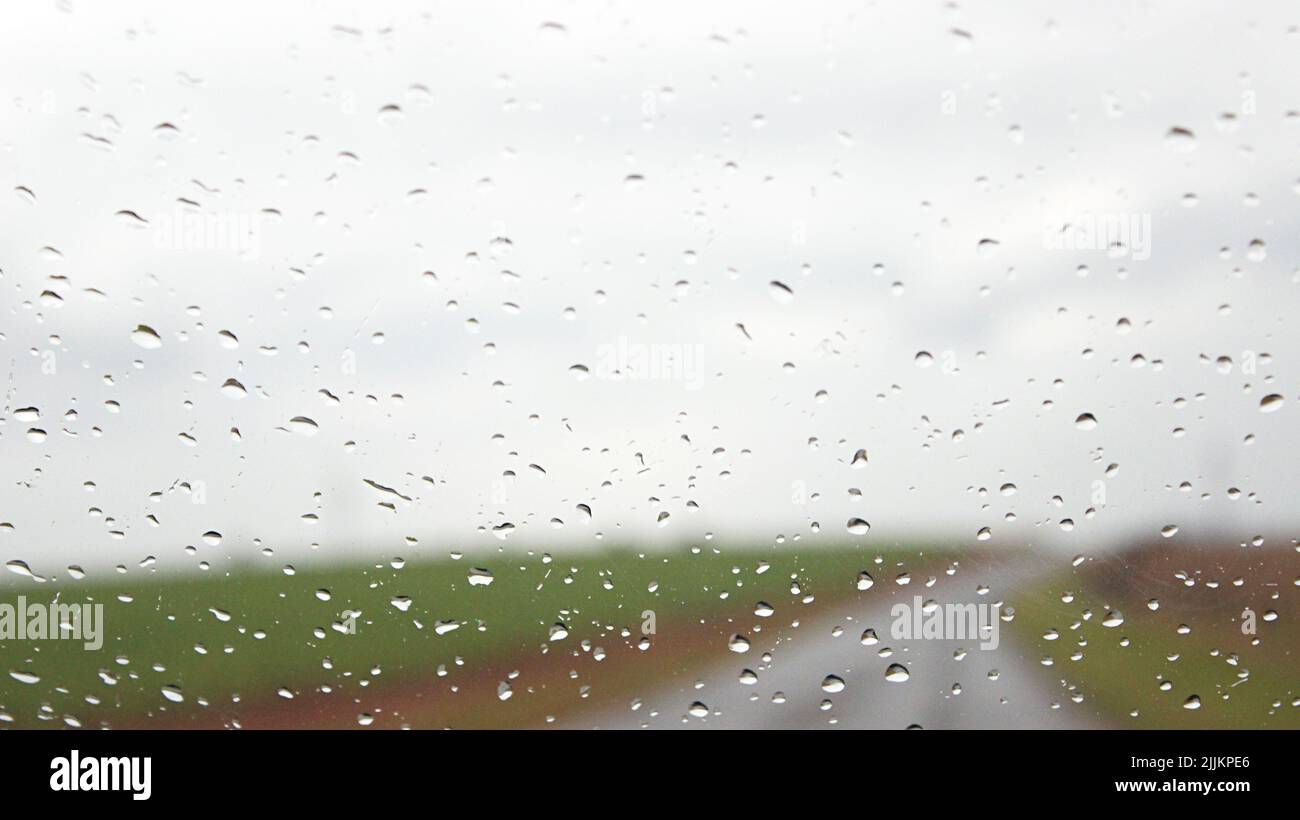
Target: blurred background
point(571, 364)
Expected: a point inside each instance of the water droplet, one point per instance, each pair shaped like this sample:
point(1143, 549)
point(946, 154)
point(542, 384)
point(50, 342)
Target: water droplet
point(20, 568)
point(131, 219)
point(443, 627)
point(232, 389)
point(1181, 140)
point(146, 337)
point(780, 292)
point(303, 426)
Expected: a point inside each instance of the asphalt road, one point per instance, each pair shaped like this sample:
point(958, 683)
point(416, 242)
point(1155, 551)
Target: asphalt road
point(1003, 687)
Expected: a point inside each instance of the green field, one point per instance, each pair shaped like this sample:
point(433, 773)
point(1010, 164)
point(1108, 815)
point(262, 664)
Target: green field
point(231, 645)
point(1242, 681)
point(270, 649)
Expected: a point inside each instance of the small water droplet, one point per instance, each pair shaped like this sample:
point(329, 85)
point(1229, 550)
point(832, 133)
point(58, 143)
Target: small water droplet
point(146, 337)
point(780, 292)
point(1181, 140)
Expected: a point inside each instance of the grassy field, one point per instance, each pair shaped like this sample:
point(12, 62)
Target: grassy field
point(263, 648)
point(429, 648)
point(1177, 639)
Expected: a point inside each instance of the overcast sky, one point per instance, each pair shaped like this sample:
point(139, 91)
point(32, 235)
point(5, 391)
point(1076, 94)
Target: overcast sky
point(434, 230)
